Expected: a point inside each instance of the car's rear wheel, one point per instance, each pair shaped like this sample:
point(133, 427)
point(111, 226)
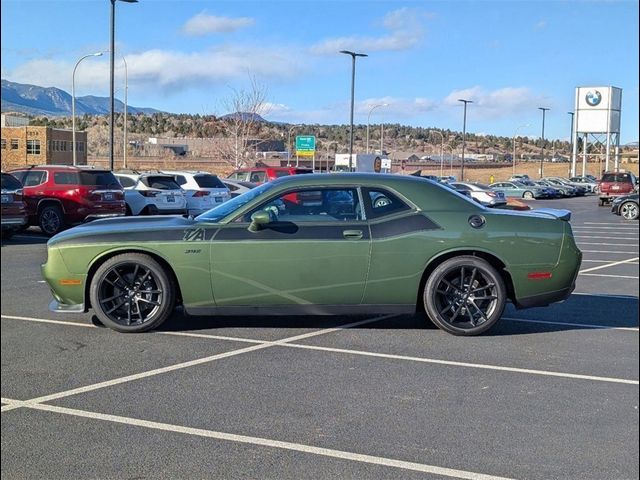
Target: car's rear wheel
point(465, 296)
point(132, 293)
point(51, 220)
point(528, 195)
point(629, 210)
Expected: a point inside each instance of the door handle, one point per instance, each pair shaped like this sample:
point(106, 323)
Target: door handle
point(352, 234)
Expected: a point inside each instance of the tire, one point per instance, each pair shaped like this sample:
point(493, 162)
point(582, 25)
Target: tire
point(629, 210)
point(51, 220)
point(128, 211)
point(132, 293)
point(451, 297)
point(528, 195)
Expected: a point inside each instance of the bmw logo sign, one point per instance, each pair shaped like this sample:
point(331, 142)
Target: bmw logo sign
point(593, 97)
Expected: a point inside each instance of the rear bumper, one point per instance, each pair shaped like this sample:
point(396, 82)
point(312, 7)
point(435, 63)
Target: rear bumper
point(14, 221)
point(545, 299)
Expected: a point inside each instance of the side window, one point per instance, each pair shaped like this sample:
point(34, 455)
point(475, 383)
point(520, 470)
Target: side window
point(65, 178)
point(325, 205)
point(126, 182)
point(383, 203)
point(257, 177)
point(34, 177)
point(20, 175)
point(180, 180)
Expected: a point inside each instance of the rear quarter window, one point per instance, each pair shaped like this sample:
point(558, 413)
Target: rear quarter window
point(209, 181)
point(161, 183)
point(65, 178)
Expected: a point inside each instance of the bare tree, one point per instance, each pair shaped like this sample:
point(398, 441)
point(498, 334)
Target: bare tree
point(241, 124)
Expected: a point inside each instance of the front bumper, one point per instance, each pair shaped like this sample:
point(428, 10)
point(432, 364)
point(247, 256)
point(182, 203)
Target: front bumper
point(59, 307)
point(97, 216)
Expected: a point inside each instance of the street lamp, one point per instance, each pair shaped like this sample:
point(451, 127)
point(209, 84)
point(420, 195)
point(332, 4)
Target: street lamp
point(369, 118)
point(73, 103)
point(353, 82)
point(450, 160)
point(126, 89)
point(441, 150)
point(544, 111)
point(111, 68)
point(514, 146)
point(464, 134)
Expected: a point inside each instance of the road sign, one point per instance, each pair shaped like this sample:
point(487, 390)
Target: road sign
point(305, 145)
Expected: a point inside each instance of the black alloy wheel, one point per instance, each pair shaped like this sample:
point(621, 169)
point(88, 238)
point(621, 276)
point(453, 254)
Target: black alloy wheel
point(132, 293)
point(465, 296)
point(51, 220)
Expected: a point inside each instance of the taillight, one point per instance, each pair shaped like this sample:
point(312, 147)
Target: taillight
point(93, 196)
point(202, 193)
point(148, 193)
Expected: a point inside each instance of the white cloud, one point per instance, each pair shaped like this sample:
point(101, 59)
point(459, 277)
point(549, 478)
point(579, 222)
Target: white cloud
point(395, 106)
point(203, 24)
point(404, 28)
point(500, 103)
point(540, 25)
point(168, 71)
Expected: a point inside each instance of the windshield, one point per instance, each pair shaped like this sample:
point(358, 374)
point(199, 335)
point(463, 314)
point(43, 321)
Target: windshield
point(218, 213)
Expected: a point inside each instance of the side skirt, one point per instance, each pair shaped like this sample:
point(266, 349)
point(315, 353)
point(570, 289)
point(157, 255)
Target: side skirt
point(268, 310)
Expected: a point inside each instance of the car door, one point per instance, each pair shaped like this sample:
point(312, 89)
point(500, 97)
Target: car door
point(309, 254)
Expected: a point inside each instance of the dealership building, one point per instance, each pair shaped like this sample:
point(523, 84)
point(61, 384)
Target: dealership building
point(22, 144)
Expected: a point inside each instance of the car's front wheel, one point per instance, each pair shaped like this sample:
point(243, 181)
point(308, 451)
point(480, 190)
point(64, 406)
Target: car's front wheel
point(465, 296)
point(132, 293)
point(629, 210)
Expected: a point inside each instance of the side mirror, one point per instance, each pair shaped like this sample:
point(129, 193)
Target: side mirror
point(259, 220)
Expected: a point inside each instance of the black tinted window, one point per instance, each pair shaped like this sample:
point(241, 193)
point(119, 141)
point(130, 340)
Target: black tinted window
point(98, 178)
point(65, 178)
point(617, 177)
point(126, 181)
point(161, 183)
point(9, 182)
point(208, 181)
point(383, 203)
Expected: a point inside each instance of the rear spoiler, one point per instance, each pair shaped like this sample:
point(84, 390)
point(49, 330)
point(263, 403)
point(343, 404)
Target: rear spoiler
point(560, 214)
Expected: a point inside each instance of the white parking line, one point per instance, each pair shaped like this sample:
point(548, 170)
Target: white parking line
point(568, 324)
point(592, 269)
point(618, 226)
point(603, 223)
point(266, 442)
point(604, 261)
point(606, 295)
point(609, 244)
point(287, 342)
point(606, 238)
point(608, 251)
point(610, 276)
point(199, 361)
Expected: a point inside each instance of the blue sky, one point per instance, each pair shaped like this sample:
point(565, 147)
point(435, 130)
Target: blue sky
point(509, 57)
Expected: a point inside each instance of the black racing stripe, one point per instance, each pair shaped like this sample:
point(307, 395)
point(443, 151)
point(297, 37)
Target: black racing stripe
point(166, 235)
point(398, 226)
point(291, 231)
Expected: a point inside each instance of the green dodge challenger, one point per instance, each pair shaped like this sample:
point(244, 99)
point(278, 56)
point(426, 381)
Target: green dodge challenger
point(319, 244)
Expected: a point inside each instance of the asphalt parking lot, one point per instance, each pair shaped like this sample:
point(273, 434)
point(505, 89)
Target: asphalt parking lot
point(549, 393)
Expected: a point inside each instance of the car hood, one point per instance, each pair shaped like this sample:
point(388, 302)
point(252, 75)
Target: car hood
point(120, 229)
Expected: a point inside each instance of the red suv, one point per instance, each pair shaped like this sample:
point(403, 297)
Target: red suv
point(58, 195)
point(259, 175)
point(616, 184)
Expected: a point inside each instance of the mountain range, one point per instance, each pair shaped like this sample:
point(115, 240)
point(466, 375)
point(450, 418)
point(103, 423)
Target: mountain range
point(51, 101)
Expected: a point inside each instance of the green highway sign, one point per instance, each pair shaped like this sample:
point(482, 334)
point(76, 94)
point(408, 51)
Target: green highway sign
point(305, 144)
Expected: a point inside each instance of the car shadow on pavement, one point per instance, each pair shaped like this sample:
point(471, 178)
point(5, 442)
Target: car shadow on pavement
point(577, 313)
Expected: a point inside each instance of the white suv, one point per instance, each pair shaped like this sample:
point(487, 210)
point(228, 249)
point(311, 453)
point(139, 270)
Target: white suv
point(202, 190)
point(152, 194)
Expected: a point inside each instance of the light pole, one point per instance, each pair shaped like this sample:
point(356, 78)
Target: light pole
point(289, 146)
point(73, 103)
point(328, 148)
point(369, 118)
point(111, 68)
point(514, 146)
point(353, 83)
point(464, 135)
point(544, 111)
point(450, 160)
point(126, 89)
point(441, 150)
